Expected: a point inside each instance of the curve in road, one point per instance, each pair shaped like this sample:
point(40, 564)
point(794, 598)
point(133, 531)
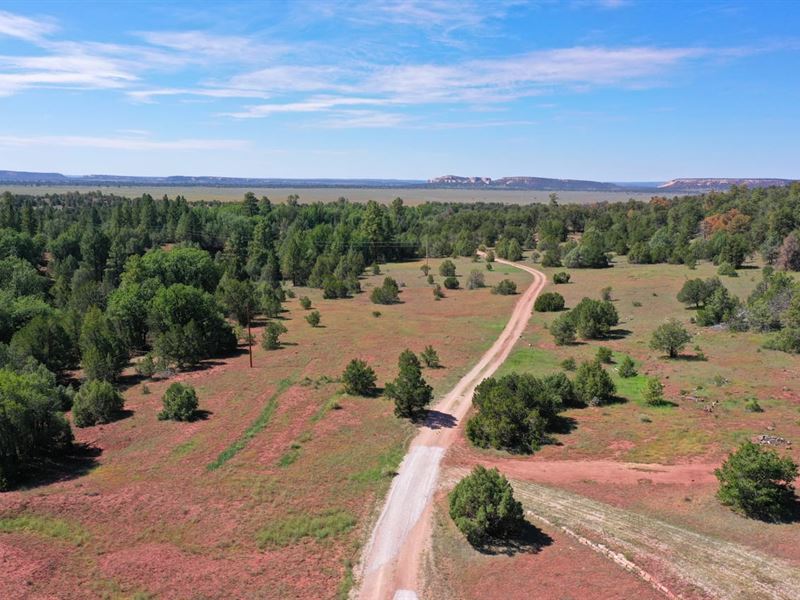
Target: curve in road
point(390, 561)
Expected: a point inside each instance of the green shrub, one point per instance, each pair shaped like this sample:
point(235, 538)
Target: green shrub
point(552, 258)
point(563, 330)
point(388, 293)
point(505, 288)
point(333, 288)
point(359, 378)
point(726, 269)
point(757, 482)
point(96, 402)
point(483, 507)
point(305, 302)
point(438, 294)
point(430, 357)
point(451, 283)
point(549, 302)
point(568, 364)
point(561, 277)
point(147, 367)
point(594, 319)
point(180, 403)
point(313, 318)
point(593, 385)
point(786, 340)
point(270, 339)
point(653, 392)
point(752, 405)
point(627, 368)
point(447, 268)
point(515, 411)
point(605, 355)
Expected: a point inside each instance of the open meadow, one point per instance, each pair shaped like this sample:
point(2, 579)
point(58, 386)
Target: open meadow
point(411, 196)
point(641, 476)
point(270, 493)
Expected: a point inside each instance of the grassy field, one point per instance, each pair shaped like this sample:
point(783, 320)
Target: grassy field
point(385, 195)
point(735, 368)
point(703, 421)
point(269, 495)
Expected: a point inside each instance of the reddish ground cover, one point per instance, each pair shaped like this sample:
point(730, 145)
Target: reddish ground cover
point(282, 516)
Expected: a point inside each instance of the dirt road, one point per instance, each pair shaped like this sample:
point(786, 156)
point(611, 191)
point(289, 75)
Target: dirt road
point(715, 567)
point(390, 562)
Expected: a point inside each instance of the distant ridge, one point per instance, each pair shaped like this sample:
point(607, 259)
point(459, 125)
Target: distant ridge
point(525, 183)
point(721, 183)
point(445, 181)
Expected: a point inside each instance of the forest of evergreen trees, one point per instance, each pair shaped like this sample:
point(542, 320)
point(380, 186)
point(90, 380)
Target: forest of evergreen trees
point(90, 280)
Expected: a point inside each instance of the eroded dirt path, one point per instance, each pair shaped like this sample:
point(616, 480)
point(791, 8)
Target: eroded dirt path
point(390, 563)
point(716, 568)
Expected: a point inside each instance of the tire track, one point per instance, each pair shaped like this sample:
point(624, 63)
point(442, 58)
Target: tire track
point(719, 568)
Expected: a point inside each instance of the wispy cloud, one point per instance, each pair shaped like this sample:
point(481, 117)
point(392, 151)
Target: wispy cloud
point(475, 83)
point(67, 70)
point(24, 28)
point(322, 104)
point(121, 143)
point(197, 45)
point(361, 119)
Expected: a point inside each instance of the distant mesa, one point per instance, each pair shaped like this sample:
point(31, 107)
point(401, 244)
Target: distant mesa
point(581, 185)
point(723, 183)
point(525, 183)
point(545, 184)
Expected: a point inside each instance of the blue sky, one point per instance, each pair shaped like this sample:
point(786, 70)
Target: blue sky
point(612, 90)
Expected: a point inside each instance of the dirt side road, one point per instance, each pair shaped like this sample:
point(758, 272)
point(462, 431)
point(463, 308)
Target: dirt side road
point(718, 569)
point(390, 562)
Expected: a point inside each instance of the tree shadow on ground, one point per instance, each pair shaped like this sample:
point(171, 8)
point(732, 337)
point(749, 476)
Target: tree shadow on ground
point(614, 400)
point(618, 334)
point(126, 382)
point(74, 462)
point(563, 425)
point(690, 358)
point(663, 403)
point(201, 414)
point(439, 420)
point(529, 539)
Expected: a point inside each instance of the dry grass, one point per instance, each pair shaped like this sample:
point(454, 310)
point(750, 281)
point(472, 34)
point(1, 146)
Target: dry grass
point(290, 460)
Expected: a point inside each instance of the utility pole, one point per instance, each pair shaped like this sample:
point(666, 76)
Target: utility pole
point(249, 337)
point(427, 251)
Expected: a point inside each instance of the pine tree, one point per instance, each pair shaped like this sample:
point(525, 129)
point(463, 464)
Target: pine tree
point(410, 392)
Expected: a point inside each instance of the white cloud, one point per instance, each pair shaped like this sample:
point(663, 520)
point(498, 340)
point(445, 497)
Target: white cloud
point(149, 95)
point(198, 45)
point(510, 78)
point(362, 119)
point(24, 28)
point(321, 104)
point(120, 143)
point(76, 71)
